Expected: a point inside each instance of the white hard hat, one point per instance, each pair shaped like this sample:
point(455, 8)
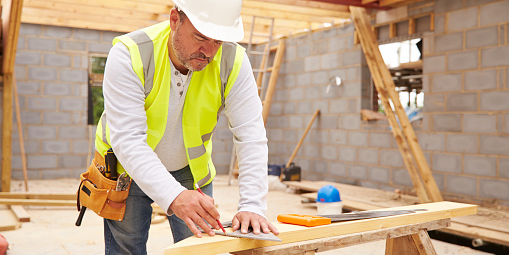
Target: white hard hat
point(217, 19)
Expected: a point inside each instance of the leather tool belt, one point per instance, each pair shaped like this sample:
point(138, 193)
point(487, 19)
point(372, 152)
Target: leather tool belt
point(106, 197)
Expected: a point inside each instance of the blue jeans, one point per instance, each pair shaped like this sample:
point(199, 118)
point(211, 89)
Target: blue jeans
point(130, 235)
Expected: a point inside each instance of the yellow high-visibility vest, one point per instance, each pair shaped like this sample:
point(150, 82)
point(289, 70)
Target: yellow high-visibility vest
point(203, 103)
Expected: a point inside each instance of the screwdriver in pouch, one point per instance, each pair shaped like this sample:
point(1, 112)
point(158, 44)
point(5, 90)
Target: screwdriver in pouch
point(110, 161)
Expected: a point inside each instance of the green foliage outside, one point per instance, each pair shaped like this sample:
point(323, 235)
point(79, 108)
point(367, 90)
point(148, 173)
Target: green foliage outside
point(97, 103)
point(98, 64)
point(96, 91)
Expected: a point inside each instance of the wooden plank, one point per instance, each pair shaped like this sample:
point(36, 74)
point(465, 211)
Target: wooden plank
point(161, 7)
point(7, 132)
point(332, 243)
point(301, 140)
point(20, 213)
point(392, 30)
point(20, 132)
point(280, 14)
point(475, 232)
point(293, 233)
point(382, 76)
point(89, 9)
point(263, 7)
point(356, 3)
point(79, 24)
point(41, 202)
point(367, 43)
point(390, 2)
point(38, 196)
point(310, 4)
point(8, 221)
point(11, 16)
point(411, 26)
point(82, 16)
point(349, 203)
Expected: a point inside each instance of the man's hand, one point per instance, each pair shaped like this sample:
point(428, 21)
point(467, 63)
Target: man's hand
point(243, 220)
point(193, 207)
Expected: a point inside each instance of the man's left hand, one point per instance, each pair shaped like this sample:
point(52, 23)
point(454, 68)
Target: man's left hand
point(243, 220)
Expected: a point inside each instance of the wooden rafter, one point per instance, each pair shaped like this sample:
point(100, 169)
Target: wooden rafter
point(369, 4)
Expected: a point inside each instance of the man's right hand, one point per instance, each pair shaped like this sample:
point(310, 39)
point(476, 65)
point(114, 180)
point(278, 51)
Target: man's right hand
point(193, 207)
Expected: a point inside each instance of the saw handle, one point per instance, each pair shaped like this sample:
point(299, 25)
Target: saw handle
point(303, 220)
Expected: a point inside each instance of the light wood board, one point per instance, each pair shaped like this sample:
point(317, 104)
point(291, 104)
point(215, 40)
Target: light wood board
point(20, 213)
point(38, 196)
point(41, 202)
point(332, 243)
point(293, 233)
point(8, 221)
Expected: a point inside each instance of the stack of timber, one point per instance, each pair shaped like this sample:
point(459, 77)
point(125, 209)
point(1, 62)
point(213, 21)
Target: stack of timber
point(488, 224)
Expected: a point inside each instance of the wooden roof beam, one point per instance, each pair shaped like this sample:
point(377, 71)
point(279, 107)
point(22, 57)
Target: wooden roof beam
point(355, 3)
point(309, 4)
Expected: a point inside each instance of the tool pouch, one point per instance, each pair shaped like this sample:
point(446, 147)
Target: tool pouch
point(97, 193)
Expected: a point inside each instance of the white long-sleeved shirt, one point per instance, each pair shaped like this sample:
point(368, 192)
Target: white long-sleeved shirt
point(124, 100)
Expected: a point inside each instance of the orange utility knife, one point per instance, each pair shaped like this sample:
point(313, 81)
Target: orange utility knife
point(303, 220)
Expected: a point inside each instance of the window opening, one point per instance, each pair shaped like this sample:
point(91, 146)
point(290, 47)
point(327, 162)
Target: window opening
point(97, 64)
point(404, 60)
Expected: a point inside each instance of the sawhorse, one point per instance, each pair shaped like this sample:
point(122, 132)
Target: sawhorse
point(404, 240)
point(405, 234)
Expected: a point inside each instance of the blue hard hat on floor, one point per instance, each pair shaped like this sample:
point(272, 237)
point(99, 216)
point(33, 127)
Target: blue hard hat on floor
point(328, 194)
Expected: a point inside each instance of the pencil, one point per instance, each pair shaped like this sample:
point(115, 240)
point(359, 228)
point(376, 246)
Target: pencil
point(218, 222)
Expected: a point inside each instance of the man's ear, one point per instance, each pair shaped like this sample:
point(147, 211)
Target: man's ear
point(174, 19)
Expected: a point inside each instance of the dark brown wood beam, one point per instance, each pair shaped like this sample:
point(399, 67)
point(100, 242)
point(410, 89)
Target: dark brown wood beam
point(355, 3)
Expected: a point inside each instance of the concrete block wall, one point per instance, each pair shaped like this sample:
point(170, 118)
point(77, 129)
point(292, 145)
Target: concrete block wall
point(52, 77)
point(467, 98)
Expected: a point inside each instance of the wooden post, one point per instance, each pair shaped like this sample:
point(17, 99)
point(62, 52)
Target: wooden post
point(368, 45)
point(302, 139)
point(11, 18)
point(7, 133)
point(20, 132)
point(411, 26)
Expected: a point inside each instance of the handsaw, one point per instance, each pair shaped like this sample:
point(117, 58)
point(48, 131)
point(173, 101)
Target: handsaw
point(250, 234)
point(311, 220)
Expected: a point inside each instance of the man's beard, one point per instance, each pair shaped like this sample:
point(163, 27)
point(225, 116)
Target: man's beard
point(185, 60)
